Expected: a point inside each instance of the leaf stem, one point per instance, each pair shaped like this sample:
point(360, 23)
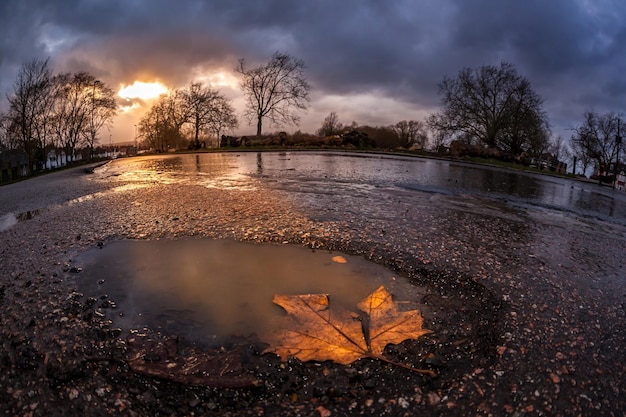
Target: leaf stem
point(428, 372)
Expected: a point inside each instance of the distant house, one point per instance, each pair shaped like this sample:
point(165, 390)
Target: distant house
point(12, 165)
point(557, 166)
point(611, 176)
point(620, 181)
point(55, 159)
point(549, 162)
point(620, 176)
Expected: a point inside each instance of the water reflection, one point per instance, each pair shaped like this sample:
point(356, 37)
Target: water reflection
point(213, 289)
point(259, 163)
point(214, 170)
point(350, 174)
point(494, 181)
point(7, 221)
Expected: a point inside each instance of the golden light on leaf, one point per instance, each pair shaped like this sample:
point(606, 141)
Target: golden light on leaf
point(313, 331)
point(339, 259)
point(142, 90)
point(388, 325)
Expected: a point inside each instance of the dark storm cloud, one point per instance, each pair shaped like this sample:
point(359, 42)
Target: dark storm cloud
point(568, 49)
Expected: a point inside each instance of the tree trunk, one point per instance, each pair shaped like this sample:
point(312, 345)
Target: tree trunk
point(258, 125)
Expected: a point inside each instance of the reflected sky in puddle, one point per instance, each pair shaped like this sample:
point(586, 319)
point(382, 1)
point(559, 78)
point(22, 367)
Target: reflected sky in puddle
point(211, 170)
point(364, 175)
point(7, 221)
point(209, 290)
point(11, 219)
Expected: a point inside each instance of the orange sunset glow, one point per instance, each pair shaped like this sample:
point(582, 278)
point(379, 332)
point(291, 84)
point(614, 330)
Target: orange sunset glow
point(142, 90)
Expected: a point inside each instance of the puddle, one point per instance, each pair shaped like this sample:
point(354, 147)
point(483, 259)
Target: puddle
point(211, 290)
point(309, 175)
point(220, 171)
point(7, 221)
point(11, 219)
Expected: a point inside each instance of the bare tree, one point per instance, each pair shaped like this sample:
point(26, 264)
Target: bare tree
point(438, 140)
point(525, 122)
point(491, 105)
point(224, 117)
point(101, 108)
point(275, 91)
point(72, 109)
point(209, 111)
point(194, 111)
point(597, 137)
point(177, 113)
point(200, 102)
point(161, 126)
point(28, 114)
point(559, 148)
point(56, 111)
point(149, 129)
point(580, 155)
point(330, 126)
point(411, 133)
point(5, 141)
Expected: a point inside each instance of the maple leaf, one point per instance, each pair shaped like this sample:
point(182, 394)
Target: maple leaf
point(388, 325)
point(312, 331)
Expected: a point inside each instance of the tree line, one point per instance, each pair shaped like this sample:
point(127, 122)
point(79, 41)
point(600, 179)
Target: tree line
point(491, 107)
point(597, 140)
point(495, 107)
point(54, 111)
point(404, 134)
point(187, 117)
point(274, 92)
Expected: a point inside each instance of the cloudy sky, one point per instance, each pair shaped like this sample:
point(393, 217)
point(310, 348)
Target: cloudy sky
point(371, 61)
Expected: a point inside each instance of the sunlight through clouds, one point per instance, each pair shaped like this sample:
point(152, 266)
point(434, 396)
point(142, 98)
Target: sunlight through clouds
point(142, 90)
point(372, 63)
point(217, 78)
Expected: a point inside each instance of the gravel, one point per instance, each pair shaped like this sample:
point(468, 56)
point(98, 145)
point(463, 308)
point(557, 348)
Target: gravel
point(527, 306)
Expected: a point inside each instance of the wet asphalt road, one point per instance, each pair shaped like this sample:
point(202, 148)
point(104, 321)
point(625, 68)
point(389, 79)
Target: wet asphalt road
point(556, 278)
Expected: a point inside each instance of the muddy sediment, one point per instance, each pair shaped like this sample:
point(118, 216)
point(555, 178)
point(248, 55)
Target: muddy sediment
point(527, 307)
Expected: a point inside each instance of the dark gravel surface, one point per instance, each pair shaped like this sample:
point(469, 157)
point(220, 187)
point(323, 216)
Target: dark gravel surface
point(527, 306)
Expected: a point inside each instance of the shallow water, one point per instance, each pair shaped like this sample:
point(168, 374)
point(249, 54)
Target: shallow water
point(210, 290)
point(362, 175)
point(7, 221)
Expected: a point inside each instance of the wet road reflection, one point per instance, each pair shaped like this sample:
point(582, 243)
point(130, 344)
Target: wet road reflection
point(221, 170)
point(349, 174)
point(207, 290)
